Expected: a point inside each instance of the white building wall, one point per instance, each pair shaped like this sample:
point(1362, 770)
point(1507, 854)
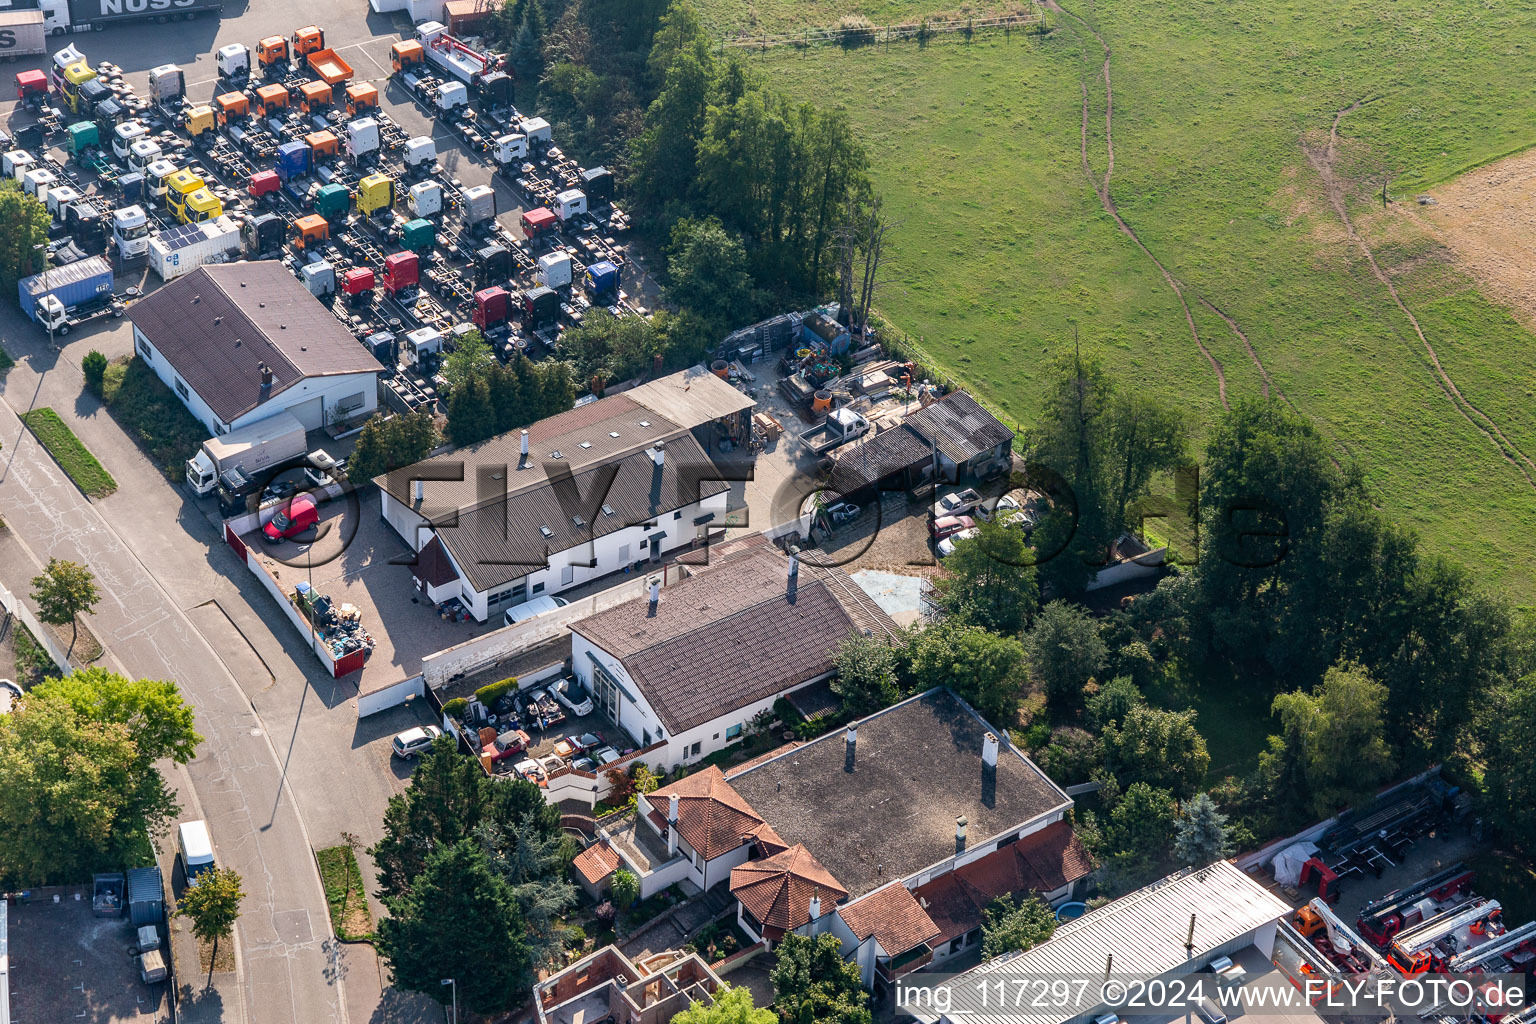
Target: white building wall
point(635, 717)
point(167, 374)
point(718, 871)
point(300, 399)
point(329, 390)
point(574, 566)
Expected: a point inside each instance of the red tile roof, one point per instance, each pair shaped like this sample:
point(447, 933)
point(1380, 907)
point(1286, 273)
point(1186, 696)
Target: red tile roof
point(893, 916)
point(596, 862)
point(711, 816)
point(777, 891)
point(1040, 862)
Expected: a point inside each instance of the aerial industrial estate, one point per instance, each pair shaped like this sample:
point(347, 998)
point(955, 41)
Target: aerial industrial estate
point(524, 510)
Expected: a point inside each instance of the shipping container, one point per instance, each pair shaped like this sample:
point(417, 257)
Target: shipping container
point(73, 284)
point(21, 34)
point(183, 249)
point(146, 897)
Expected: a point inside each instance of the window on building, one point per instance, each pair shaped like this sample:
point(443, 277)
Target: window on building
point(732, 732)
point(972, 937)
point(538, 588)
point(695, 750)
point(145, 351)
point(181, 389)
point(645, 738)
point(645, 542)
point(678, 514)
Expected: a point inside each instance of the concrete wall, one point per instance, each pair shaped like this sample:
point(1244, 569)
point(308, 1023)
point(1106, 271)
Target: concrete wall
point(389, 696)
point(671, 872)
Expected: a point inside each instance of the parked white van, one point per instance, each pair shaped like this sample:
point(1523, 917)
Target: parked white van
point(538, 606)
point(196, 849)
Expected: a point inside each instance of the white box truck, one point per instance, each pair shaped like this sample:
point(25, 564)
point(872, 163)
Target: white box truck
point(272, 441)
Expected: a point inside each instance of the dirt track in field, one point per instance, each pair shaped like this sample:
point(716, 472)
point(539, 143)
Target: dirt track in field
point(1101, 188)
point(1324, 160)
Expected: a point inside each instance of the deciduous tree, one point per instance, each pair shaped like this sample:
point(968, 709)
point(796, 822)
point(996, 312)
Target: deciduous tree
point(391, 443)
point(731, 1005)
point(989, 580)
point(982, 667)
point(63, 591)
point(1065, 651)
point(1331, 741)
point(813, 984)
point(1010, 926)
point(867, 673)
point(213, 907)
point(1160, 748)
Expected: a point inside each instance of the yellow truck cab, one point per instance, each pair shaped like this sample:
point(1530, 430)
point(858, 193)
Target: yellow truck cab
point(200, 206)
point(178, 186)
point(199, 119)
point(76, 75)
point(375, 192)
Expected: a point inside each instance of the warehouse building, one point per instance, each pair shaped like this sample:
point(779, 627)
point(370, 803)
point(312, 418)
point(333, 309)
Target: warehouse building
point(240, 342)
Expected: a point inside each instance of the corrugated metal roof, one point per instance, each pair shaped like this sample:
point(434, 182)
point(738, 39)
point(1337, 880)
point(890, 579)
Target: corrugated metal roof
point(691, 397)
point(1144, 931)
point(960, 427)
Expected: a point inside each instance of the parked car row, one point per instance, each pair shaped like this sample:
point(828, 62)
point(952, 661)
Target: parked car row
point(955, 516)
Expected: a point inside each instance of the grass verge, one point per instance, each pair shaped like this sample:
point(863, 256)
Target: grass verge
point(344, 895)
point(71, 455)
point(152, 415)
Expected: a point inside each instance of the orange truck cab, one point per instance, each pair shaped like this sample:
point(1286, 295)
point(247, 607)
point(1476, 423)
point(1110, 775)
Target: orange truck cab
point(323, 145)
point(311, 231)
point(361, 97)
point(406, 54)
point(314, 96)
point(271, 97)
point(272, 53)
point(308, 40)
point(231, 106)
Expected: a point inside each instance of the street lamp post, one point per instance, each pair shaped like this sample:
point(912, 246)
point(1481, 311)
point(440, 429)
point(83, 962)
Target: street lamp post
point(42, 247)
point(455, 984)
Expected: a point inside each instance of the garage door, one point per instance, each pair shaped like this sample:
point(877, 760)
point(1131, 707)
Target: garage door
point(310, 413)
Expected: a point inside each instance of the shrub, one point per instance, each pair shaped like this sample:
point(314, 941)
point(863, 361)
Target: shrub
point(855, 30)
point(575, 937)
point(1071, 756)
point(493, 692)
point(626, 888)
point(455, 708)
point(94, 366)
point(623, 786)
point(605, 912)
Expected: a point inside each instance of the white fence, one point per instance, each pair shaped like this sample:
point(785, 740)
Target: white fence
point(15, 606)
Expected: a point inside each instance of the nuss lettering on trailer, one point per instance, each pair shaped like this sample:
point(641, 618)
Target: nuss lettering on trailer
point(109, 7)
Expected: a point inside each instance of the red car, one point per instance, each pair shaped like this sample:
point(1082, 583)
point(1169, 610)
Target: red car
point(943, 526)
point(510, 744)
point(297, 515)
